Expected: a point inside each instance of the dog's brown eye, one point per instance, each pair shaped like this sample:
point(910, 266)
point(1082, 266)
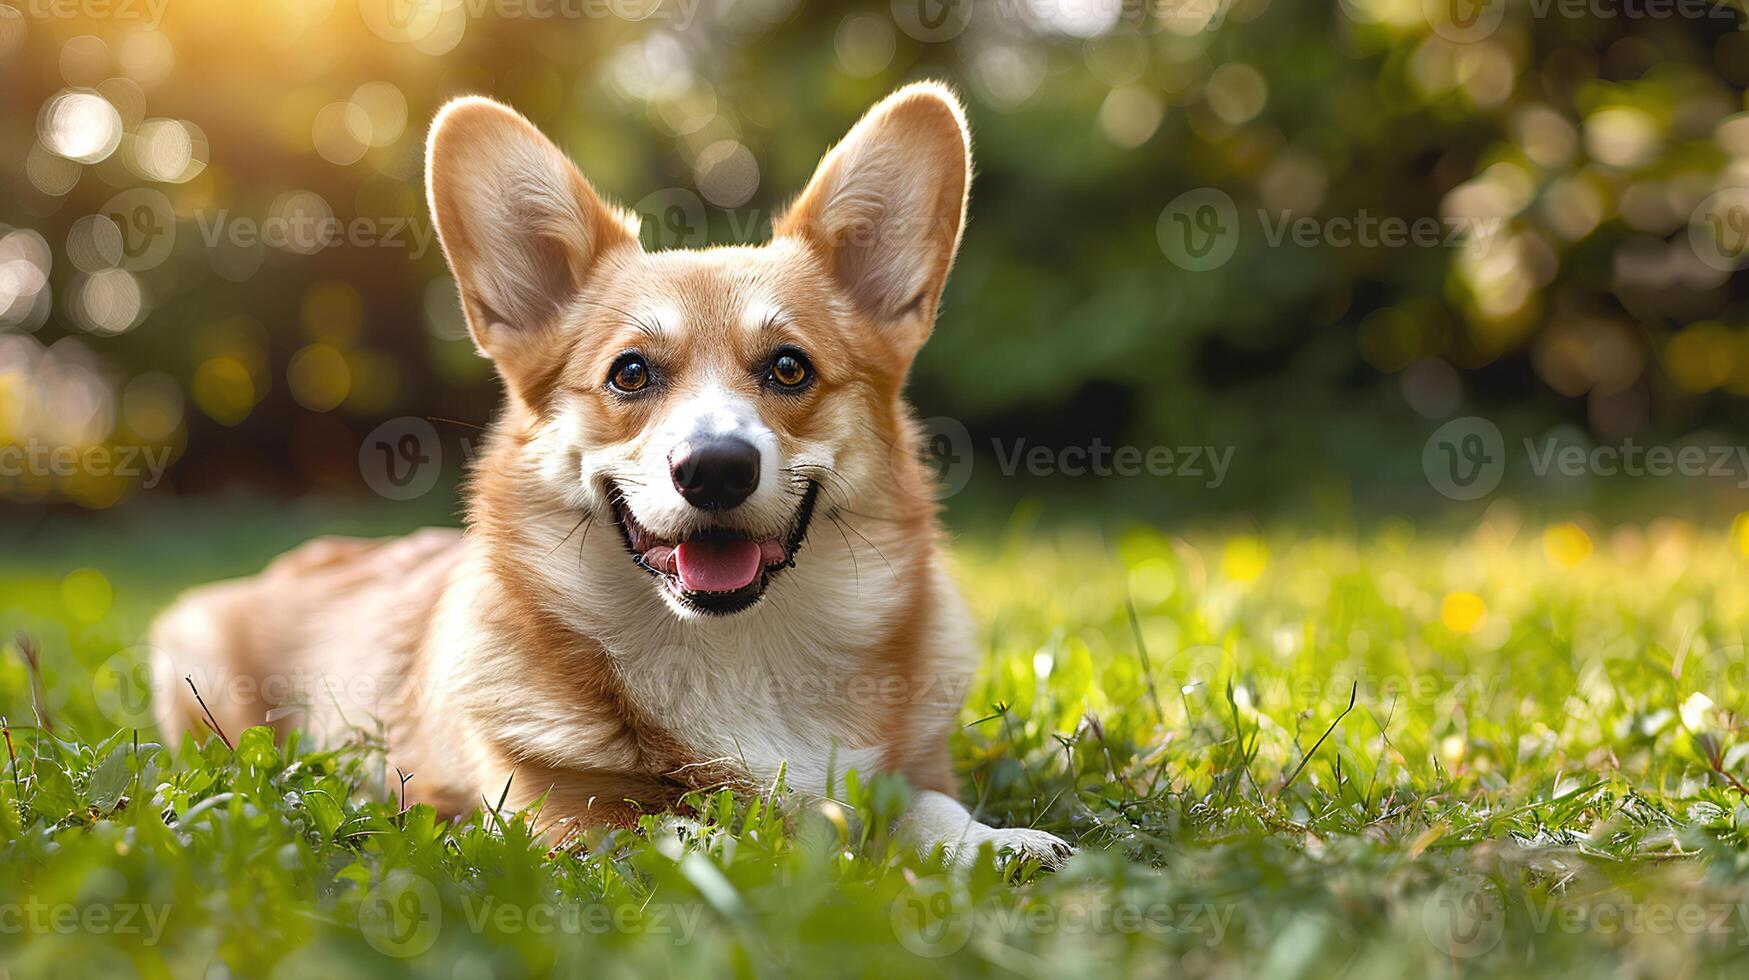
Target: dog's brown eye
point(630, 373)
point(789, 370)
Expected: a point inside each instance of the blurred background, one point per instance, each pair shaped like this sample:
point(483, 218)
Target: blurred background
point(1302, 236)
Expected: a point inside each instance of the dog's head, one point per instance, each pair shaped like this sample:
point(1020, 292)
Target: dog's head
point(710, 403)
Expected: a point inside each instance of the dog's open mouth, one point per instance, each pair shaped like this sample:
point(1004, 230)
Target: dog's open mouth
point(718, 570)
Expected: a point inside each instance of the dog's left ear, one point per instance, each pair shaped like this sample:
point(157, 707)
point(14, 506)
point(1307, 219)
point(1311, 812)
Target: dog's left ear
point(886, 206)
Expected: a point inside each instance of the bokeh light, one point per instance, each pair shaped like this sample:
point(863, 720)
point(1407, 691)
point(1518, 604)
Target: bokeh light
point(80, 126)
point(727, 173)
point(319, 378)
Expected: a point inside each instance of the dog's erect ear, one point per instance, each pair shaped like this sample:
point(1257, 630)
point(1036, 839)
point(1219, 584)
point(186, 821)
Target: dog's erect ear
point(886, 207)
point(520, 226)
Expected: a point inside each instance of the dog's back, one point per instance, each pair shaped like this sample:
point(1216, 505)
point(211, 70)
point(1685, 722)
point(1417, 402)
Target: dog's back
point(327, 639)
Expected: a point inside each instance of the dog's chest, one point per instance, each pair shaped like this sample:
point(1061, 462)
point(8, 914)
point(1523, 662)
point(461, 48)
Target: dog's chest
point(762, 708)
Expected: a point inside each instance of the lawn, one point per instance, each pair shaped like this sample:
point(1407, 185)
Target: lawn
point(1507, 748)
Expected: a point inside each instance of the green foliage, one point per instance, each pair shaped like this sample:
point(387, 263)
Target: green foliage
point(1406, 754)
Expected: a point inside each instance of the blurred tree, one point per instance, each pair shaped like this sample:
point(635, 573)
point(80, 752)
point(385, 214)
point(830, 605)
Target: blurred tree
point(1309, 232)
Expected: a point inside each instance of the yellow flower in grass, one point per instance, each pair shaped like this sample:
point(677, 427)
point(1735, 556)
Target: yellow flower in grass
point(1463, 612)
point(1566, 545)
point(1740, 533)
point(1244, 559)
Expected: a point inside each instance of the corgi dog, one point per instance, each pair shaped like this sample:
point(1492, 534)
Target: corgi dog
point(700, 546)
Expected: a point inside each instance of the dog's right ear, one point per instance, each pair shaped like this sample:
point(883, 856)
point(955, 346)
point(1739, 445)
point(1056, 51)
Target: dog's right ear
point(520, 226)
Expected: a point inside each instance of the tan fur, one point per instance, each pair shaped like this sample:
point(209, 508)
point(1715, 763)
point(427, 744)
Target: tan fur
point(530, 651)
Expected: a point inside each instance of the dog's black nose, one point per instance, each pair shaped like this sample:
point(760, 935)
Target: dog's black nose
point(715, 475)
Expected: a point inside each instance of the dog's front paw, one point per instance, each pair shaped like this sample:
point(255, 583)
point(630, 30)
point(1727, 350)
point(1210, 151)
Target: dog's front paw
point(1022, 844)
point(937, 822)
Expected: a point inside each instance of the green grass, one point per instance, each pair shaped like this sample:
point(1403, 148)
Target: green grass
point(1508, 750)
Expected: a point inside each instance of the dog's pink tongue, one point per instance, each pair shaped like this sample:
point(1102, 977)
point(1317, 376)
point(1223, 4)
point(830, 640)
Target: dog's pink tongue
point(717, 566)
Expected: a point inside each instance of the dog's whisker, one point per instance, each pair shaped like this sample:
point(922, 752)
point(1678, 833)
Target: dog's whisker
point(821, 468)
point(855, 567)
point(580, 522)
point(838, 504)
point(845, 524)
